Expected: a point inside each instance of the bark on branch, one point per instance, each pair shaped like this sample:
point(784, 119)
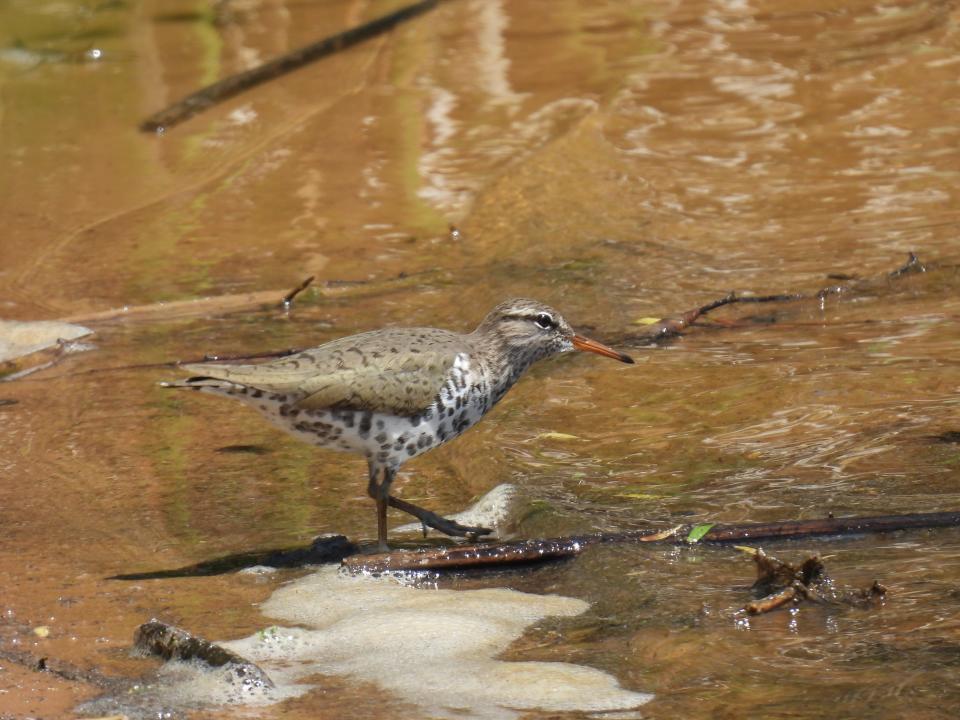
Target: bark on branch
point(532, 551)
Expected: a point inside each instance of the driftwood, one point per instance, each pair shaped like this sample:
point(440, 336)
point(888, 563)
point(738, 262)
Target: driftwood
point(235, 84)
point(781, 583)
point(533, 551)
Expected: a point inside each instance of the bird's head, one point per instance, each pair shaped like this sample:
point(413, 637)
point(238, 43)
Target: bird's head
point(533, 331)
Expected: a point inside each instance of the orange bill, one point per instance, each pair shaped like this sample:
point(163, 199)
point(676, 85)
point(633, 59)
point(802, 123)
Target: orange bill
point(582, 343)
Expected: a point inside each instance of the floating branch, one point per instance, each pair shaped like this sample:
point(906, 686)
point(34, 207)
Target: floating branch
point(532, 551)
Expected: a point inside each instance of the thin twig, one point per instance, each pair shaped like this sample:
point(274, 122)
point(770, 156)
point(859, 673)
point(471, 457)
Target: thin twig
point(668, 328)
point(287, 301)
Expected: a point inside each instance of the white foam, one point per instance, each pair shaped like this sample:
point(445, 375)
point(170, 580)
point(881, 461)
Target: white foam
point(430, 647)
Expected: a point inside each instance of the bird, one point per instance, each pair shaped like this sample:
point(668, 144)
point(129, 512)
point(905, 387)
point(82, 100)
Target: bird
point(394, 393)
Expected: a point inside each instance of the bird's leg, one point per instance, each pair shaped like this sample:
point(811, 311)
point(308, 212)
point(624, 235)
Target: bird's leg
point(379, 492)
point(437, 522)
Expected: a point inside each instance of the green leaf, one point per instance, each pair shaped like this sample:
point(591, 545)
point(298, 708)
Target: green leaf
point(698, 531)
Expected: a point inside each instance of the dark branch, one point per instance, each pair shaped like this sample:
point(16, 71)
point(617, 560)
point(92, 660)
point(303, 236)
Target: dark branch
point(235, 84)
point(287, 302)
point(530, 551)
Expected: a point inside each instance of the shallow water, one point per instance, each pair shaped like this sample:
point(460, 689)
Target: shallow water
point(620, 160)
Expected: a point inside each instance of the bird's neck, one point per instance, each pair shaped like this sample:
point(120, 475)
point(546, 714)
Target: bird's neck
point(505, 365)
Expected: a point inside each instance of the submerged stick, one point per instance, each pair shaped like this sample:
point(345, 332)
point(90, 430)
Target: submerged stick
point(241, 302)
point(235, 84)
point(531, 551)
point(672, 326)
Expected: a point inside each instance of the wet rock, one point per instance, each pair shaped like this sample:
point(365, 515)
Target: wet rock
point(172, 643)
point(197, 673)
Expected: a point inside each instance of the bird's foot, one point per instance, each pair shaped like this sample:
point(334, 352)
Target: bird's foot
point(453, 528)
point(438, 522)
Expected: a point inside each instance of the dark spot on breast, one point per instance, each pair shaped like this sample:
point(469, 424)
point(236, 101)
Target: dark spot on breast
point(363, 428)
point(411, 449)
point(381, 438)
point(257, 393)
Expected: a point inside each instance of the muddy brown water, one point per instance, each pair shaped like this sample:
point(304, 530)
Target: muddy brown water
point(620, 160)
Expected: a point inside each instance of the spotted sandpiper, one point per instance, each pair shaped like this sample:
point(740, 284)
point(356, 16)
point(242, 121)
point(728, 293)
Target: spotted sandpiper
point(395, 393)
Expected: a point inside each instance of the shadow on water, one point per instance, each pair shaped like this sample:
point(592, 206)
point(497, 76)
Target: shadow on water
point(323, 550)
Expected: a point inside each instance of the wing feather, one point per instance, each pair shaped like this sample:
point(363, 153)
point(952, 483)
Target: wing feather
point(372, 371)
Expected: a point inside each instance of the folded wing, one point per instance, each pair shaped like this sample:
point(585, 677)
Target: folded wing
point(373, 371)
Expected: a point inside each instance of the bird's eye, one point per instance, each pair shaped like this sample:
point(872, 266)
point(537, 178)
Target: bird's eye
point(544, 321)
